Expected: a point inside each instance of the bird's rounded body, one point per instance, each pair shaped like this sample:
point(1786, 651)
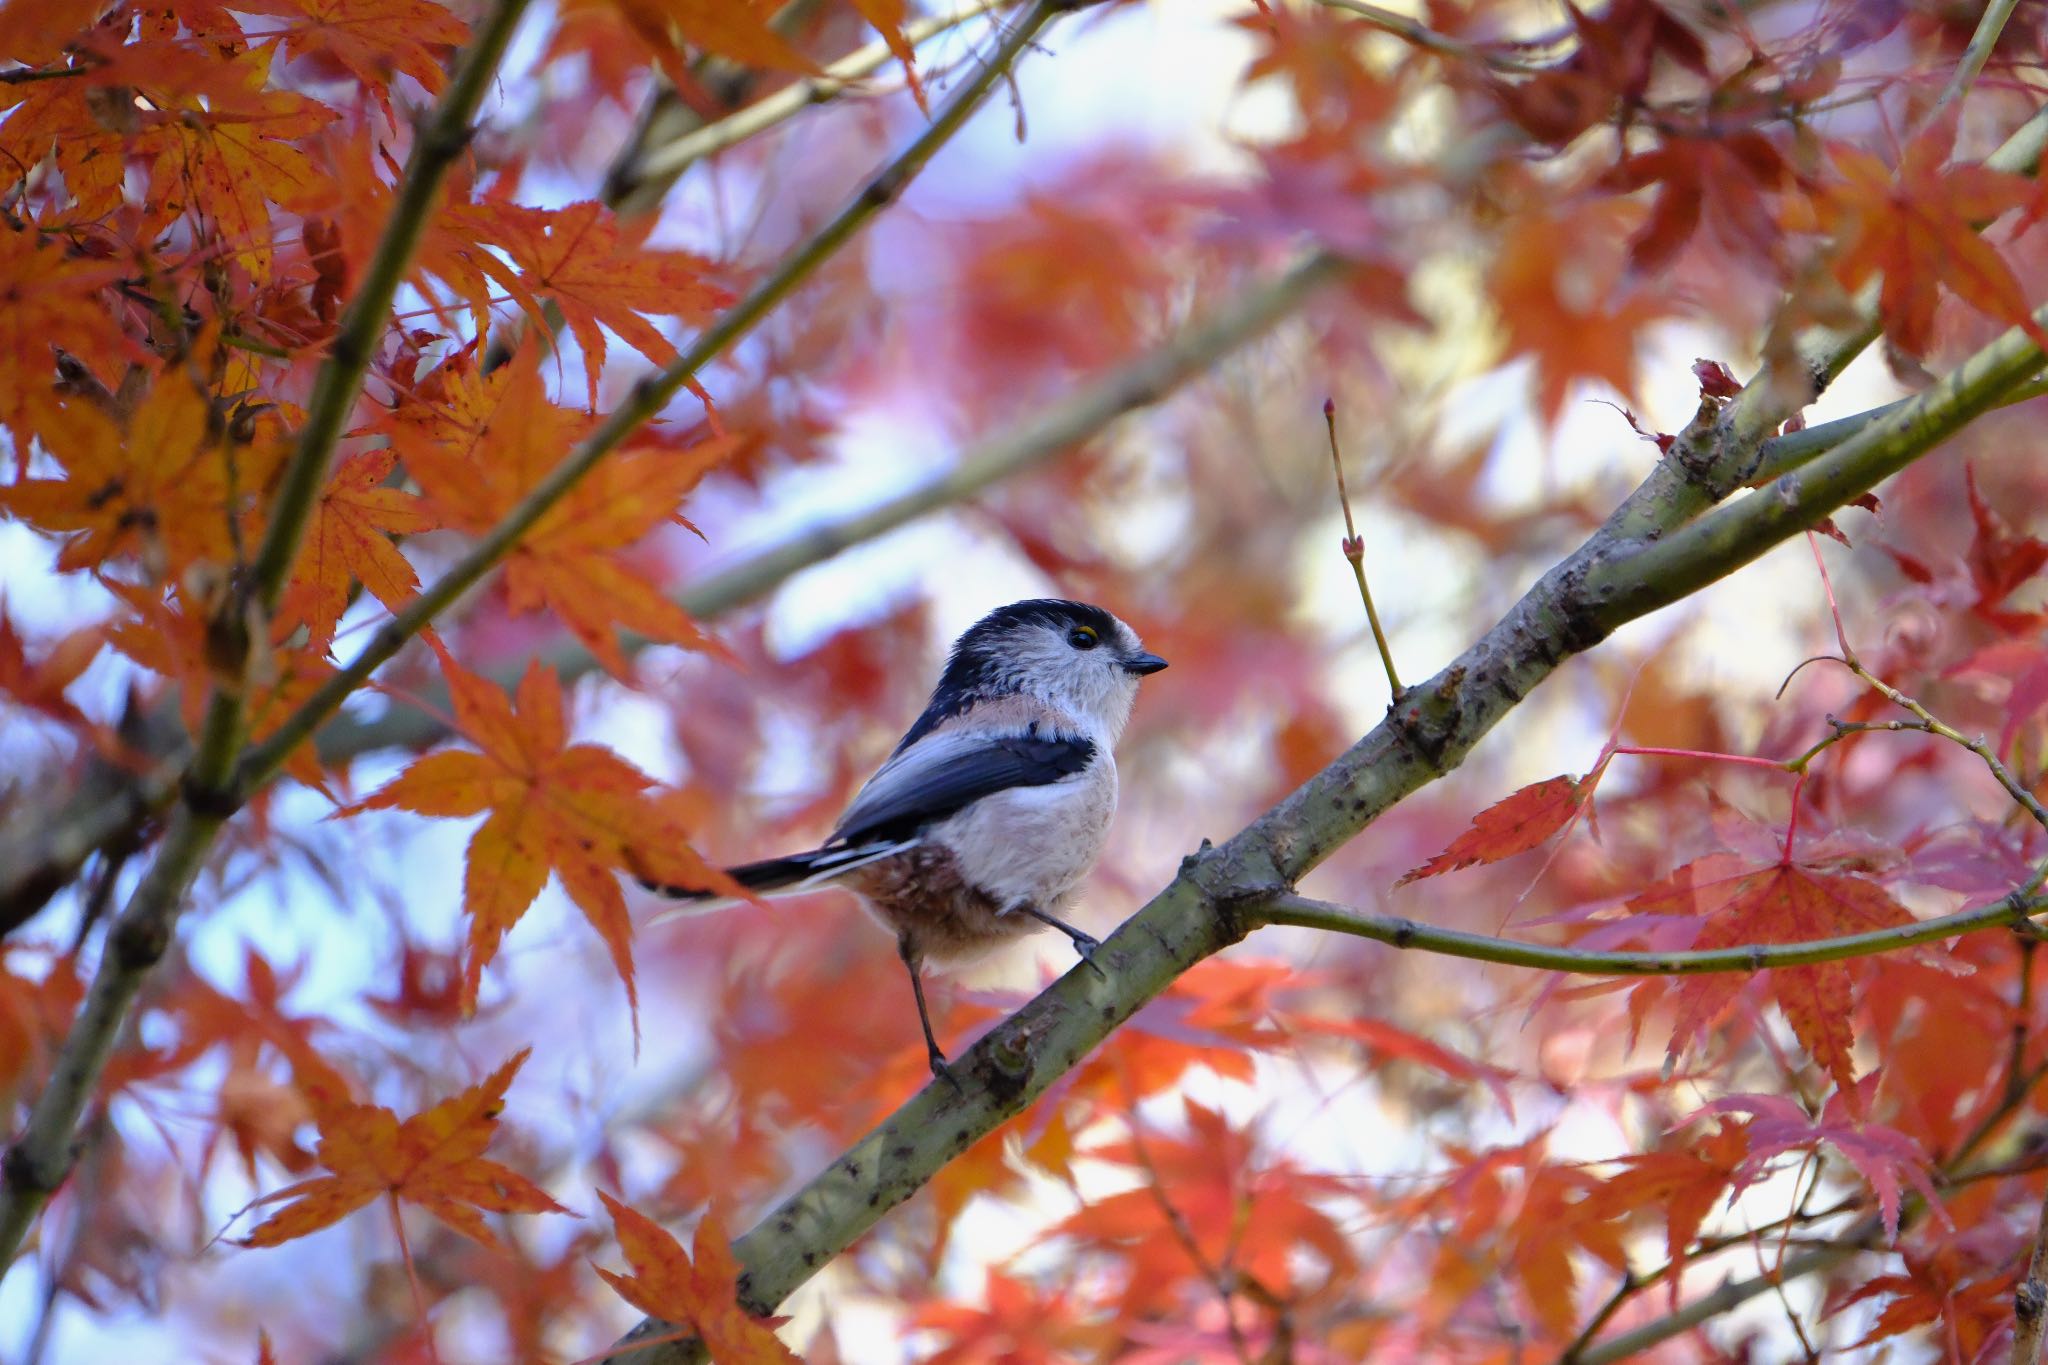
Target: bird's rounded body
point(996, 803)
point(962, 890)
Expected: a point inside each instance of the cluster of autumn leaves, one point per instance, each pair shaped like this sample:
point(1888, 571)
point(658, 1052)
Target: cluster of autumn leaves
point(197, 194)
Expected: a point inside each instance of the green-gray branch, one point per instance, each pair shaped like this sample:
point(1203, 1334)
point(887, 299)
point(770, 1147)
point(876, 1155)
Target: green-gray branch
point(1304, 912)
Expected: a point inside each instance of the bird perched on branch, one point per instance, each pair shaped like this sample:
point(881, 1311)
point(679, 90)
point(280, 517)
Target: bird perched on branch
point(995, 804)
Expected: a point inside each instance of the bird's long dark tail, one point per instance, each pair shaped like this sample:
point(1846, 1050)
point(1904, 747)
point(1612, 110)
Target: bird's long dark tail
point(779, 876)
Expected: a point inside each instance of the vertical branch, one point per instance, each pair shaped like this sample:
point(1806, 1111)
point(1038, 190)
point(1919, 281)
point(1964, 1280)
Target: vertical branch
point(41, 1156)
point(2030, 1299)
point(1354, 550)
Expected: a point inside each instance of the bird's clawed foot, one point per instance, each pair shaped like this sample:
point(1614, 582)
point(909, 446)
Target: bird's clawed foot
point(1085, 944)
point(941, 1071)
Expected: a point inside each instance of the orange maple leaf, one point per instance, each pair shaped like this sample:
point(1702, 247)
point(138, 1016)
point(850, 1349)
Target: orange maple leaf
point(162, 486)
point(480, 443)
point(599, 276)
point(1557, 284)
point(738, 29)
point(216, 140)
point(433, 1159)
point(698, 1289)
point(40, 684)
point(576, 810)
point(46, 295)
point(1681, 1183)
point(1920, 229)
point(347, 540)
point(372, 40)
point(1784, 902)
point(1513, 825)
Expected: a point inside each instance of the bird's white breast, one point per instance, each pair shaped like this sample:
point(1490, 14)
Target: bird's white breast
point(1034, 844)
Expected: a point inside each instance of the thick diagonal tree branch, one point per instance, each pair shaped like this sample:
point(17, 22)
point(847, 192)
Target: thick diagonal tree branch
point(1224, 892)
point(40, 1157)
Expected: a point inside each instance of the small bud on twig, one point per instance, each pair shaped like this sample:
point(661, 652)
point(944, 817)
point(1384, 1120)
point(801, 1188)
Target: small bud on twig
point(1354, 550)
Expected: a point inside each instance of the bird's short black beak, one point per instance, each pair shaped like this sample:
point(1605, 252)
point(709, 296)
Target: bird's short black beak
point(1142, 664)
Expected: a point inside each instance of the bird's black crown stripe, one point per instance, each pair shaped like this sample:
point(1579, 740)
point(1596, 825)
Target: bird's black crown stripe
point(979, 667)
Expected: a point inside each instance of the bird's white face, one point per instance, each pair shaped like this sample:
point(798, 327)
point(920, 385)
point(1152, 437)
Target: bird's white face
point(1090, 674)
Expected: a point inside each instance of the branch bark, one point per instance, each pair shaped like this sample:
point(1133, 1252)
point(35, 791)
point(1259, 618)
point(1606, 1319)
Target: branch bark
point(1306, 913)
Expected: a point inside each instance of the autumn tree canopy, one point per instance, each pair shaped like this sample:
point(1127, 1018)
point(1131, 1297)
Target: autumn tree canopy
point(462, 459)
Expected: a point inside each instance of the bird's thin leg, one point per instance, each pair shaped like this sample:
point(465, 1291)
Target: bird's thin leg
point(1084, 943)
point(914, 960)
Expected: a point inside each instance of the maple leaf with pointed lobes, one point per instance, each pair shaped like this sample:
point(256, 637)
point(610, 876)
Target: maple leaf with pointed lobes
point(1556, 284)
point(46, 296)
point(887, 16)
point(1883, 1155)
point(1728, 179)
point(601, 278)
point(477, 444)
point(1514, 825)
point(433, 1159)
point(1681, 1184)
point(578, 811)
point(736, 29)
point(698, 1288)
point(1260, 1218)
point(40, 685)
point(348, 540)
point(160, 487)
point(1023, 1323)
point(1744, 903)
point(2000, 560)
point(371, 41)
point(1920, 229)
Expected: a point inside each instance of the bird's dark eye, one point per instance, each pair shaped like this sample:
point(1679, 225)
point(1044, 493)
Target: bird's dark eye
point(1083, 637)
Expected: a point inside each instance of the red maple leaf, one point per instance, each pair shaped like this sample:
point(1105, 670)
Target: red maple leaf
point(1512, 825)
point(1740, 902)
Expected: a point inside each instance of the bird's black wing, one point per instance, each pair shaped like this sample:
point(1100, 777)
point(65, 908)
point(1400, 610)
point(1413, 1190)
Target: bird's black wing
point(944, 773)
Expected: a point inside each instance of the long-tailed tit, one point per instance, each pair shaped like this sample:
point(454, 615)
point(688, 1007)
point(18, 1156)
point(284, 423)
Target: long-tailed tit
point(995, 804)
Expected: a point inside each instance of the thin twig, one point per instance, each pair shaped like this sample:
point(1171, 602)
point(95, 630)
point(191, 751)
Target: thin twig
point(1989, 25)
point(664, 164)
point(1419, 34)
point(1304, 912)
point(1354, 550)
